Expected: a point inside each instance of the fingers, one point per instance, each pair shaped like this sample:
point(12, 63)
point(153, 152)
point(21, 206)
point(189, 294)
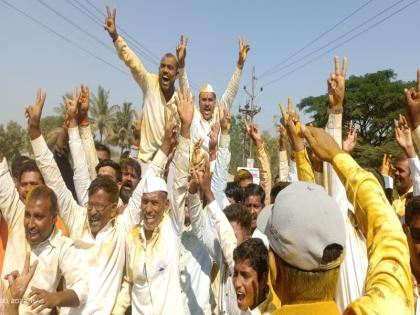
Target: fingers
point(408, 96)
point(32, 269)
point(283, 113)
point(114, 13)
point(289, 105)
point(384, 159)
point(108, 11)
point(344, 67)
point(307, 132)
point(337, 65)
point(418, 80)
point(26, 264)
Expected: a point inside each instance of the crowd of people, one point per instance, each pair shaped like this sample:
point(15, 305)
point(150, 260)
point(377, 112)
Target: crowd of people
point(164, 231)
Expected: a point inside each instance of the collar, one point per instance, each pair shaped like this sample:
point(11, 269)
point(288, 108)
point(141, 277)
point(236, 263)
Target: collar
point(52, 240)
point(155, 234)
point(317, 308)
point(108, 226)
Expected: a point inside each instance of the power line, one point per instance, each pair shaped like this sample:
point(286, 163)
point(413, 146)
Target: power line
point(342, 43)
point(339, 37)
point(85, 12)
point(76, 26)
point(63, 37)
point(270, 71)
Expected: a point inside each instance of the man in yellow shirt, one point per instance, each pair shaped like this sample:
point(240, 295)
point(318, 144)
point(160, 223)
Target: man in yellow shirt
point(403, 184)
point(309, 245)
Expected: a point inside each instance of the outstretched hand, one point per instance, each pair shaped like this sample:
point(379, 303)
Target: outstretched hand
point(412, 103)
point(322, 144)
point(336, 84)
point(350, 140)
point(243, 52)
point(84, 101)
point(254, 133)
point(185, 105)
point(73, 107)
point(225, 121)
point(293, 127)
point(33, 114)
point(109, 24)
point(386, 166)
point(169, 138)
point(403, 137)
point(181, 51)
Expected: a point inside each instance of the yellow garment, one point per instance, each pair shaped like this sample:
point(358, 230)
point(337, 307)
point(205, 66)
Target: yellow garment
point(320, 308)
point(399, 204)
point(265, 172)
point(304, 168)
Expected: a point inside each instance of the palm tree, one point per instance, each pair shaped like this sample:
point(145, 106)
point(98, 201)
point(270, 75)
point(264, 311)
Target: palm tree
point(122, 125)
point(102, 115)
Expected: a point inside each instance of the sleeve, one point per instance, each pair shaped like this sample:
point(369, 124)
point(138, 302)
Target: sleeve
point(81, 171)
point(304, 168)
point(179, 192)
point(89, 150)
point(201, 227)
point(220, 173)
point(9, 198)
point(224, 231)
point(414, 164)
point(335, 187)
point(73, 270)
point(123, 298)
point(388, 285)
point(131, 215)
point(231, 90)
point(183, 79)
point(265, 172)
point(283, 166)
point(139, 72)
point(63, 163)
point(73, 215)
point(293, 177)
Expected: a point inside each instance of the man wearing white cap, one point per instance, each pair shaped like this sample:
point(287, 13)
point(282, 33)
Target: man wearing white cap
point(207, 115)
point(152, 279)
point(306, 232)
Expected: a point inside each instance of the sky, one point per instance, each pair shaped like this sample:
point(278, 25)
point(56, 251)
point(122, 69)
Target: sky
point(33, 57)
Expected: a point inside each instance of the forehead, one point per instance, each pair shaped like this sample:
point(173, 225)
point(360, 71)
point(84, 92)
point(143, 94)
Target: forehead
point(31, 176)
point(244, 266)
point(40, 205)
point(99, 196)
point(403, 164)
point(106, 170)
point(253, 199)
point(156, 195)
point(206, 95)
point(168, 60)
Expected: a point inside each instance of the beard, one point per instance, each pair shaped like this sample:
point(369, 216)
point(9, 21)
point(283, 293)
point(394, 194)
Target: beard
point(126, 191)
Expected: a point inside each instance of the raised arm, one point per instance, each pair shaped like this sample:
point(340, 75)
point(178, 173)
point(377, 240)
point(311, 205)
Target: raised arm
point(388, 285)
point(181, 53)
point(403, 137)
point(229, 95)
point(9, 197)
point(72, 214)
point(412, 103)
point(139, 72)
point(265, 171)
point(221, 168)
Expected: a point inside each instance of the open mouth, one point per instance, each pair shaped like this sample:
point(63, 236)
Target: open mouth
point(94, 221)
point(33, 235)
point(165, 79)
point(149, 219)
point(240, 297)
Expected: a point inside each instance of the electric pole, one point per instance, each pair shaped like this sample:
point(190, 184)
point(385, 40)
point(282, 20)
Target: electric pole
point(249, 111)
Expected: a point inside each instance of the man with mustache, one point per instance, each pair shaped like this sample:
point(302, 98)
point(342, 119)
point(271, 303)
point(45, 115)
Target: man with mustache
point(130, 177)
point(158, 90)
point(96, 228)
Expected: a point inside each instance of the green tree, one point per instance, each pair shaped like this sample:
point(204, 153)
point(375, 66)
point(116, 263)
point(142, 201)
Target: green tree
point(102, 115)
point(372, 101)
point(13, 140)
point(51, 126)
point(122, 126)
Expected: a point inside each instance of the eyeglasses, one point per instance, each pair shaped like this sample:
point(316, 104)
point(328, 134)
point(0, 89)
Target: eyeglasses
point(99, 208)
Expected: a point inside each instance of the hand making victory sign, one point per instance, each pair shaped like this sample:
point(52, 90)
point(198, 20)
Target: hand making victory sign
point(336, 85)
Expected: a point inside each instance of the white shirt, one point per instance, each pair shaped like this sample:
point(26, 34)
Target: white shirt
point(152, 267)
point(154, 102)
point(105, 253)
point(213, 228)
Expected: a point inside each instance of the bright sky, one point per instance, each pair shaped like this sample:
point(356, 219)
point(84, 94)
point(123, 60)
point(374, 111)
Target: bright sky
point(33, 57)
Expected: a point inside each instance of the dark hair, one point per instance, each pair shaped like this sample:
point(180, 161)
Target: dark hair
point(276, 189)
point(235, 191)
point(412, 209)
point(107, 184)
point(17, 163)
point(125, 154)
point(112, 164)
point(130, 162)
point(256, 253)
point(172, 56)
point(102, 147)
point(43, 191)
point(255, 190)
point(241, 175)
point(29, 166)
point(238, 213)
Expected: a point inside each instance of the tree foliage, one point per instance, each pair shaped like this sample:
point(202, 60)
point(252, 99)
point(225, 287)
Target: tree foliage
point(372, 101)
point(13, 140)
point(102, 115)
point(122, 133)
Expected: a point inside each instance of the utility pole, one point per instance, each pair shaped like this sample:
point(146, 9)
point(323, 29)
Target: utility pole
point(249, 111)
